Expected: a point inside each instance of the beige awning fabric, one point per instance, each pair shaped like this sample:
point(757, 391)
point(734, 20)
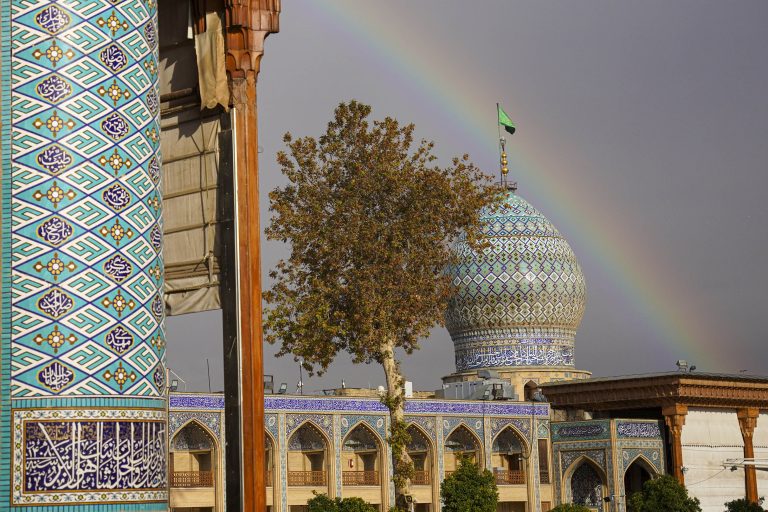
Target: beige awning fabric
point(209, 47)
point(190, 143)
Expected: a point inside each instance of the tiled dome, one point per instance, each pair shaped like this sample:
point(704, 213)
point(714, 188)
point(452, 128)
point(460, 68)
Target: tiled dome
point(520, 300)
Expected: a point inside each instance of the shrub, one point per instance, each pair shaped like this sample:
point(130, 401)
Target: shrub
point(322, 503)
point(469, 489)
point(743, 505)
point(663, 494)
point(569, 507)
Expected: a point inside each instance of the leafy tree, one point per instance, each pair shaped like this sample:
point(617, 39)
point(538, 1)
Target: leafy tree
point(744, 505)
point(663, 494)
point(369, 219)
point(469, 489)
point(569, 507)
point(322, 503)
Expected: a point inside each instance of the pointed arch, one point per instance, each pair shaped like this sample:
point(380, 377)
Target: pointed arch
point(585, 482)
point(195, 422)
point(372, 431)
point(309, 456)
point(361, 456)
point(637, 472)
point(529, 389)
point(509, 457)
point(270, 450)
point(415, 426)
point(524, 443)
point(456, 445)
point(423, 460)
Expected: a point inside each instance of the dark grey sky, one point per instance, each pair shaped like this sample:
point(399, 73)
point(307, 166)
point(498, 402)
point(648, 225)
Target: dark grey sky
point(642, 135)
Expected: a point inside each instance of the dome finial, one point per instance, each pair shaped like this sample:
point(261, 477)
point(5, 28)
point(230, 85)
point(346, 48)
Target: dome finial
point(504, 169)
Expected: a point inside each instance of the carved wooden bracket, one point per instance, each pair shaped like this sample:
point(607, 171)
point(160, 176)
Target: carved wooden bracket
point(748, 421)
point(674, 416)
point(248, 23)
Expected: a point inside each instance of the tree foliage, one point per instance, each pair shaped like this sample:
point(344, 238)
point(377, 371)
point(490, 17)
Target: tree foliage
point(744, 505)
point(570, 507)
point(469, 489)
point(369, 216)
point(663, 494)
point(322, 503)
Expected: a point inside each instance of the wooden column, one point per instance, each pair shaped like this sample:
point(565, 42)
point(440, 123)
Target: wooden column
point(248, 23)
point(747, 422)
point(674, 416)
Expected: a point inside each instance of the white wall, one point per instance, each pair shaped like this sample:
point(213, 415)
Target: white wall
point(761, 452)
point(709, 437)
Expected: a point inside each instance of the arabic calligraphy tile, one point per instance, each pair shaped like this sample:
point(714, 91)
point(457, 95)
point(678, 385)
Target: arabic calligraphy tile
point(56, 376)
point(55, 303)
point(159, 377)
point(118, 268)
point(152, 101)
point(158, 306)
point(116, 197)
point(115, 126)
point(156, 237)
point(150, 35)
point(53, 19)
point(55, 231)
point(154, 170)
point(54, 89)
point(113, 57)
point(119, 339)
point(54, 159)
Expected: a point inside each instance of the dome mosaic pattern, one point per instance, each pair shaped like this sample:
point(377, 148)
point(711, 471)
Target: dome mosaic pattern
point(520, 300)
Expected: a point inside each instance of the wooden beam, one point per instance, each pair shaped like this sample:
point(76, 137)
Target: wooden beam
point(748, 423)
point(248, 23)
point(674, 416)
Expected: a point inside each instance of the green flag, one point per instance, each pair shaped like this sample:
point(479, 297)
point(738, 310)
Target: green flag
point(505, 121)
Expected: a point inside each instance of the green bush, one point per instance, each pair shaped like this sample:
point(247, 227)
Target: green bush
point(743, 505)
point(322, 503)
point(569, 507)
point(469, 489)
point(663, 494)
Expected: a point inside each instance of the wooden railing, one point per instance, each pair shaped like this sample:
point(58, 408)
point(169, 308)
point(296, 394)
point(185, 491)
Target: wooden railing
point(192, 479)
point(507, 477)
point(308, 478)
point(544, 476)
point(360, 478)
point(268, 478)
point(420, 478)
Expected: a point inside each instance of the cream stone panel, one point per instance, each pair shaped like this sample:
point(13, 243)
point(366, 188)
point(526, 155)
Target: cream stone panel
point(709, 437)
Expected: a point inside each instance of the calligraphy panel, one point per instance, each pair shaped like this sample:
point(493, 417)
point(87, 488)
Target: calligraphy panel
point(87, 456)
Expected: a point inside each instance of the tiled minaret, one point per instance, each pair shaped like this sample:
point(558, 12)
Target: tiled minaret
point(83, 423)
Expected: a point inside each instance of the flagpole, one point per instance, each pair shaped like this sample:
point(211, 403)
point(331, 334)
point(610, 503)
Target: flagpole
point(502, 150)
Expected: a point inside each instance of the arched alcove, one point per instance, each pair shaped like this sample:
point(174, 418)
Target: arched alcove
point(508, 458)
point(308, 457)
point(193, 458)
point(420, 451)
point(587, 485)
point(361, 457)
point(637, 473)
point(461, 443)
point(269, 460)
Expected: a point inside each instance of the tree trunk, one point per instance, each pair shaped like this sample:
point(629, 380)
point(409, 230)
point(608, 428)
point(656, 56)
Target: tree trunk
point(398, 435)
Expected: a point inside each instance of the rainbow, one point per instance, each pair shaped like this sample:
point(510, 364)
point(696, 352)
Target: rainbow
point(648, 285)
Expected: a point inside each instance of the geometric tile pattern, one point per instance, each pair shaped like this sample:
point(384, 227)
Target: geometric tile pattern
point(520, 300)
point(87, 271)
